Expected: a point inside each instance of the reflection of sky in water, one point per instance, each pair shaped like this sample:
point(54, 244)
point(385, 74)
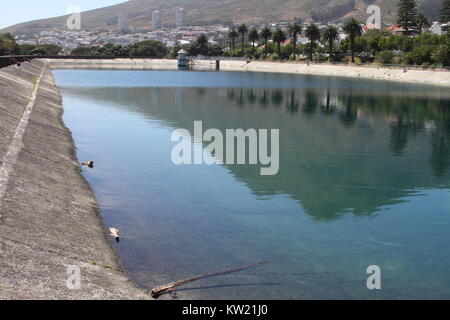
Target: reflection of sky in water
point(363, 180)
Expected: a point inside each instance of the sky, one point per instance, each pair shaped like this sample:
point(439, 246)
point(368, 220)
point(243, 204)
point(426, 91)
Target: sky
point(26, 10)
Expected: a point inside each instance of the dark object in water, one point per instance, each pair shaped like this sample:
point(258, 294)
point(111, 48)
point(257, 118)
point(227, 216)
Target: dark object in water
point(89, 164)
point(159, 291)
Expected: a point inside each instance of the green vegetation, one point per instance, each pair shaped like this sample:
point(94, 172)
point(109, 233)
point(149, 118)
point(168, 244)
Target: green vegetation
point(202, 47)
point(352, 28)
point(8, 46)
point(294, 30)
point(148, 48)
point(43, 49)
point(444, 12)
point(232, 35)
point(243, 30)
point(278, 37)
point(407, 16)
point(422, 22)
point(151, 49)
point(330, 35)
point(312, 32)
point(253, 36)
point(266, 34)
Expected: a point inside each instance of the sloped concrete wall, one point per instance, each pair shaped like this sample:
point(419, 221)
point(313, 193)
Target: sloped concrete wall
point(49, 218)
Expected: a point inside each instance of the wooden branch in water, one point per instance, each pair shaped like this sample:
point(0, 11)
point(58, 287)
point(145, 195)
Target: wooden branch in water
point(159, 291)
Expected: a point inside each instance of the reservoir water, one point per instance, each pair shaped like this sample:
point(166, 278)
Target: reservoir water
point(364, 180)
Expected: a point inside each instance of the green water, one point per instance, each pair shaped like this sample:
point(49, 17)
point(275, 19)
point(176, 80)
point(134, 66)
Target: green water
point(364, 180)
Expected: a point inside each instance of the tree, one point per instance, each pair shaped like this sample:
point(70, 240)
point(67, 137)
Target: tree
point(81, 51)
point(253, 36)
point(24, 49)
point(422, 21)
point(353, 29)
point(199, 47)
point(232, 35)
point(444, 12)
point(110, 49)
point(312, 32)
point(278, 37)
point(243, 30)
point(45, 50)
point(385, 57)
point(266, 34)
point(294, 30)
point(329, 35)
point(8, 44)
point(442, 55)
point(147, 48)
point(407, 16)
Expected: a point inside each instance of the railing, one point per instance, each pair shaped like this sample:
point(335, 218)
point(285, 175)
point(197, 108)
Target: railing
point(218, 58)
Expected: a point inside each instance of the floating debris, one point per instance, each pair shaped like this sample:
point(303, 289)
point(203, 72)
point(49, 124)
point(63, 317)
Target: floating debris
point(115, 233)
point(168, 288)
point(89, 164)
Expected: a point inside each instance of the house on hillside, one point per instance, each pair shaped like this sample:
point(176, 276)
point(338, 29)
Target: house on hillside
point(436, 28)
point(439, 28)
point(396, 29)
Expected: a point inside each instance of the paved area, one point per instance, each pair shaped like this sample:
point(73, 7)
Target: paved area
point(50, 226)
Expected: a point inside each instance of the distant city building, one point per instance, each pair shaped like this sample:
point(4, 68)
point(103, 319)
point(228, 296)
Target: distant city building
point(181, 17)
point(156, 20)
point(122, 23)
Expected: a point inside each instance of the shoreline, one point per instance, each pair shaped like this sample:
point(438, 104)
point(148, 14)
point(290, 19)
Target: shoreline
point(426, 77)
point(50, 221)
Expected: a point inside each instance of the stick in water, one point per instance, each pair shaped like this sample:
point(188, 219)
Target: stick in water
point(159, 291)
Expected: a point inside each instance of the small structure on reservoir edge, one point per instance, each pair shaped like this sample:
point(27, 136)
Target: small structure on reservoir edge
point(182, 59)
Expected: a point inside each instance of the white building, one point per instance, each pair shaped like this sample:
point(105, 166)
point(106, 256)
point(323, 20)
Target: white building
point(181, 17)
point(156, 20)
point(436, 28)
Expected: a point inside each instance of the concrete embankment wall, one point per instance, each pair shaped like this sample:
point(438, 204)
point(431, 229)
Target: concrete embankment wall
point(413, 76)
point(49, 218)
point(115, 64)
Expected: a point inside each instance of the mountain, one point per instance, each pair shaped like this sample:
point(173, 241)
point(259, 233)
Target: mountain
point(203, 12)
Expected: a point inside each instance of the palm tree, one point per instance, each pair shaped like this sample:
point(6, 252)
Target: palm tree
point(294, 30)
point(232, 35)
point(312, 32)
point(253, 36)
point(422, 21)
point(266, 34)
point(278, 37)
point(330, 34)
point(243, 30)
point(353, 29)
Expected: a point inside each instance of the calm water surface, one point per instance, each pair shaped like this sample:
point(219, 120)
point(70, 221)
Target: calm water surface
point(364, 180)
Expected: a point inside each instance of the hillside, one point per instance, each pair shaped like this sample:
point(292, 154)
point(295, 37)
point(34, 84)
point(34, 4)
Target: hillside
point(201, 12)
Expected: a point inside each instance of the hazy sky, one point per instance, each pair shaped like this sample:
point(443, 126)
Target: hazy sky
point(13, 12)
